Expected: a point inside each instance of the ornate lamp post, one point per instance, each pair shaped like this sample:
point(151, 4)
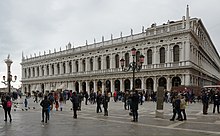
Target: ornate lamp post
point(135, 65)
point(8, 62)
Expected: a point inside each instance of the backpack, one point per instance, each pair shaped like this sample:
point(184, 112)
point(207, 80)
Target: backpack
point(9, 104)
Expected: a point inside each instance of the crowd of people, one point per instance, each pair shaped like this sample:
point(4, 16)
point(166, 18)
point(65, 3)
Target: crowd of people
point(131, 99)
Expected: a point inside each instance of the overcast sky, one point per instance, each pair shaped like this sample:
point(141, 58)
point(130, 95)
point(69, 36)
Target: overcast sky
point(34, 26)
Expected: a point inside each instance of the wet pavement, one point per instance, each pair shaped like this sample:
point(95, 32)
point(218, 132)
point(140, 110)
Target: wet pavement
point(118, 123)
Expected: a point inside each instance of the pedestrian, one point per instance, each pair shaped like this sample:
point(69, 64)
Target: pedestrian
point(105, 103)
point(99, 101)
point(86, 97)
point(7, 104)
point(56, 105)
point(26, 103)
point(205, 102)
point(45, 104)
point(183, 106)
point(134, 105)
point(176, 108)
point(216, 99)
point(75, 101)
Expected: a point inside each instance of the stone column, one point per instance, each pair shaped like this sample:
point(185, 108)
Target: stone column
point(45, 70)
point(55, 69)
point(95, 63)
point(168, 54)
point(67, 67)
point(112, 86)
point(80, 65)
point(61, 68)
point(73, 66)
point(131, 85)
point(187, 51)
point(35, 70)
point(183, 80)
point(121, 85)
point(95, 86)
point(87, 86)
point(80, 86)
point(112, 61)
point(40, 71)
point(155, 83)
point(143, 84)
point(50, 69)
point(187, 80)
point(168, 84)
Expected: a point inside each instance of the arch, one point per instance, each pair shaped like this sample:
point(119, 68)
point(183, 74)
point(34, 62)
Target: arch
point(149, 84)
point(33, 70)
point(162, 55)
point(176, 81)
point(70, 67)
point(127, 84)
point(99, 86)
point(29, 88)
point(149, 56)
point(162, 82)
point(64, 67)
point(77, 87)
point(107, 62)
point(83, 87)
point(58, 68)
point(138, 83)
point(52, 68)
point(42, 88)
point(108, 86)
point(176, 53)
point(126, 59)
point(91, 86)
point(38, 72)
point(48, 70)
point(117, 85)
point(116, 61)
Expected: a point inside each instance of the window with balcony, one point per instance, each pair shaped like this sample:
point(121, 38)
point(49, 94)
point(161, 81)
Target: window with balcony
point(162, 55)
point(107, 62)
point(99, 63)
point(149, 57)
point(116, 61)
point(126, 59)
point(48, 69)
point(52, 68)
point(91, 64)
point(176, 53)
point(70, 67)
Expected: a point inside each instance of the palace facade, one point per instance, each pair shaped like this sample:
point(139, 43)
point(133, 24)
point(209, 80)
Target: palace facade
point(176, 53)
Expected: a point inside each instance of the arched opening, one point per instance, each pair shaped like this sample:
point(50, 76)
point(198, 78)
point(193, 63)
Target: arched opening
point(84, 65)
point(99, 63)
point(126, 59)
point(117, 85)
point(77, 66)
point(84, 87)
point(163, 82)
point(162, 55)
point(107, 62)
point(108, 86)
point(149, 56)
point(42, 88)
point(127, 84)
point(137, 84)
point(176, 81)
point(116, 61)
point(77, 87)
point(150, 84)
point(91, 64)
point(91, 86)
point(99, 86)
point(176, 53)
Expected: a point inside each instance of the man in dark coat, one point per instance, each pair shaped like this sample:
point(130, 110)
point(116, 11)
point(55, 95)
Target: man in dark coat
point(75, 101)
point(216, 100)
point(134, 106)
point(45, 104)
point(205, 102)
point(99, 102)
point(105, 103)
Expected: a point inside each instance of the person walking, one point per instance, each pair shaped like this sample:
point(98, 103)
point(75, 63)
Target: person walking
point(216, 100)
point(176, 108)
point(45, 104)
point(183, 106)
point(134, 106)
point(26, 103)
point(205, 102)
point(86, 97)
point(105, 103)
point(75, 101)
point(7, 104)
point(99, 102)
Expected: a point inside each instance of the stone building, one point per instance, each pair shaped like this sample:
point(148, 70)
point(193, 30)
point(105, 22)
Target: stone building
point(176, 53)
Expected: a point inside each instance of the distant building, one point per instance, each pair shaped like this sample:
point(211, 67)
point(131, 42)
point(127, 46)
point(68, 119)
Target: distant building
point(176, 53)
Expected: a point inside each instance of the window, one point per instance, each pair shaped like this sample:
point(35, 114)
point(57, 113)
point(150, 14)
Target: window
point(137, 56)
point(33, 70)
point(91, 64)
point(126, 59)
point(84, 65)
point(77, 66)
point(47, 69)
point(176, 53)
point(162, 55)
point(70, 67)
point(52, 68)
point(116, 61)
point(107, 62)
point(149, 56)
point(99, 63)
point(58, 68)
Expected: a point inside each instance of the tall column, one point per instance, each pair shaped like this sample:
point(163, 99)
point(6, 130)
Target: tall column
point(112, 61)
point(35, 70)
point(40, 71)
point(131, 85)
point(187, 80)
point(187, 51)
point(80, 65)
point(154, 50)
point(87, 87)
point(74, 86)
point(67, 66)
point(80, 86)
point(87, 64)
point(168, 84)
point(55, 69)
point(45, 70)
point(73, 66)
point(182, 50)
point(183, 80)
point(61, 68)
point(155, 83)
point(121, 85)
point(95, 63)
point(168, 60)
point(112, 86)
point(143, 84)
point(95, 86)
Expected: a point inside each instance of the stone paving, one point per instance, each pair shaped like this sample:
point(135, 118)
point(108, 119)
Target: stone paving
point(118, 123)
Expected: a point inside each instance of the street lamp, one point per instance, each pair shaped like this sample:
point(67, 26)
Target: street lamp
point(8, 62)
point(136, 65)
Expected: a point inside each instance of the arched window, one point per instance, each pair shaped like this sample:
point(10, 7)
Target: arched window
point(91, 64)
point(42, 69)
point(116, 61)
point(176, 53)
point(77, 66)
point(52, 68)
point(126, 59)
point(25, 72)
point(47, 69)
point(107, 62)
point(64, 67)
point(99, 63)
point(149, 56)
point(58, 68)
point(70, 66)
point(137, 56)
point(84, 65)
point(33, 70)
point(162, 55)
